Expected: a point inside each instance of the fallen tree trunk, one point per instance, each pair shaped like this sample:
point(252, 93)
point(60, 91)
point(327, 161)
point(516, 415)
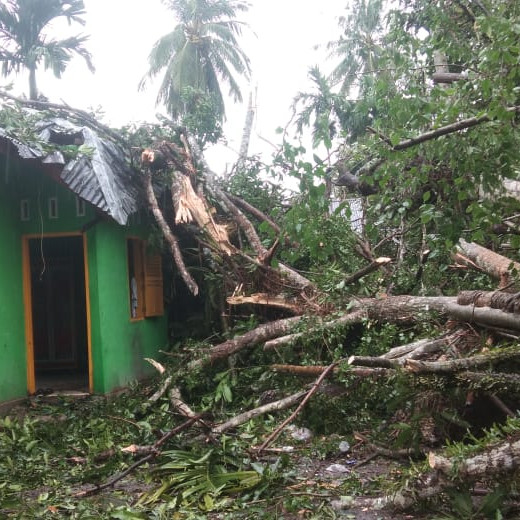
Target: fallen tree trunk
point(507, 302)
point(492, 263)
point(456, 365)
point(503, 458)
point(396, 309)
point(316, 370)
point(346, 319)
point(405, 309)
point(247, 340)
point(495, 381)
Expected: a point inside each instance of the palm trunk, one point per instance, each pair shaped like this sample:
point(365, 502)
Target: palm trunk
point(33, 91)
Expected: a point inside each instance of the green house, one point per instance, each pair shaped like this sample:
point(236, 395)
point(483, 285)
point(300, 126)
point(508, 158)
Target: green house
point(81, 301)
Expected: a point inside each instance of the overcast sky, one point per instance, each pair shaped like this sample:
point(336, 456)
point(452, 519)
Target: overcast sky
point(280, 43)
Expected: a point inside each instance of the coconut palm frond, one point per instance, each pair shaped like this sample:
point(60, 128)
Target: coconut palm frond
point(25, 44)
point(201, 53)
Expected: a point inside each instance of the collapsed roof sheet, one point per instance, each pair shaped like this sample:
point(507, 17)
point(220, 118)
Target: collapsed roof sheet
point(100, 174)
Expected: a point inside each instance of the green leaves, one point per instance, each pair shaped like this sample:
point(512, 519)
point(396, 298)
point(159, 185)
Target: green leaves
point(201, 478)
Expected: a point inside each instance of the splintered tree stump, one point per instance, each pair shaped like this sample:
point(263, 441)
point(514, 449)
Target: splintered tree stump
point(267, 300)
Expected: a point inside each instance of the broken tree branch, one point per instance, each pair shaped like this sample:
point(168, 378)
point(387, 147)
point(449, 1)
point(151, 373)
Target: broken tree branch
point(316, 370)
point(170, 238)
point(274, 435)
point(372, 362)
point(495, 265)
point(259, 215)
point(417, 349)
point(190, 207)
point(247, 340)
point(456, 365)
point(448, 129)
point(346, 319)
point(154, 452)
point(274, 406)
point(373, 266)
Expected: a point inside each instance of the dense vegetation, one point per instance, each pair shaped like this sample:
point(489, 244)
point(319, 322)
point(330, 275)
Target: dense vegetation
point(411, 187)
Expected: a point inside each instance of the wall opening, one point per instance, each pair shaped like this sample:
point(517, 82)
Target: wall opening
point(59, 314)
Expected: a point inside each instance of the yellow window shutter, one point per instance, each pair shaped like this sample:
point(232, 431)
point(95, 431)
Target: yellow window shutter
point(153, 286)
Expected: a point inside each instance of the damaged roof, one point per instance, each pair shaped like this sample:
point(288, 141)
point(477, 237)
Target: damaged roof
point(100, 173)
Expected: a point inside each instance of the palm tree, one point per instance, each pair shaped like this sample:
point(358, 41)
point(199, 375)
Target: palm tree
point(25, 43)
point(321, 109)
point(200, 52)
point(360, 47)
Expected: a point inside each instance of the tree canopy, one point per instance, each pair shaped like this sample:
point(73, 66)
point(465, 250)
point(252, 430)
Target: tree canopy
point(25, 34)
point(199, 54)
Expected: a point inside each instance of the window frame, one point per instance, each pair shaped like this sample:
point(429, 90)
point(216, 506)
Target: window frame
point(145, 266)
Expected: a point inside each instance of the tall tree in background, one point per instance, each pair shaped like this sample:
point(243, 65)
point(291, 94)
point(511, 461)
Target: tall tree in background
point(201, 52)
point(360, 46)
point(24, 27)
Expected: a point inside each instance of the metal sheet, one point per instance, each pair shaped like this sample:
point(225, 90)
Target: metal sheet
point(101, 175)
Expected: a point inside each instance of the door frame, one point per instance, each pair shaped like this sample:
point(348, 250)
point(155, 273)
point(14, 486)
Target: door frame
point(27, 298)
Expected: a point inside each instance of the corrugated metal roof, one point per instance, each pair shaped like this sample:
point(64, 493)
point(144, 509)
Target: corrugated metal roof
point(101, 176)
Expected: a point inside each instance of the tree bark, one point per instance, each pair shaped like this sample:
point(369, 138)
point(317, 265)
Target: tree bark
point(247, 340)
point(346, 319)
point(456, 365)
point(259, 215)
point(507, 302)
point(417, 349)
point(316, 370)
point(275, 406)
point(372, 362)
point(495, 265)
point(445, 130)
point(503, 458)
point(33, 89)
point(170, 238)
point(492, 381)
point(405, 309)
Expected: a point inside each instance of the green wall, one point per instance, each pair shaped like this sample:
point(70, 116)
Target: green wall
point(13, 375)
point(118, 344)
